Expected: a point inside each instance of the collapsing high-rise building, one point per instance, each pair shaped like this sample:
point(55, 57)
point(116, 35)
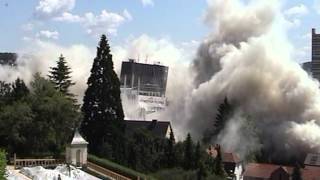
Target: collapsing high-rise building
point(8, 59)
point(315, 55)
point(144, 85)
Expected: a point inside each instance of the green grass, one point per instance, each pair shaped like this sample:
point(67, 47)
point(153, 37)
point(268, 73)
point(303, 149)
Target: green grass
point(117, 168)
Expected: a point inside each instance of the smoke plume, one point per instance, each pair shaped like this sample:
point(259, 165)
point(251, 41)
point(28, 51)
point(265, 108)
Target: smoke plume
point(247, 59)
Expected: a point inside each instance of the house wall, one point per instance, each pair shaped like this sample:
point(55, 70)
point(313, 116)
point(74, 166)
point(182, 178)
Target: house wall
point(71, 154)
point(238, 171)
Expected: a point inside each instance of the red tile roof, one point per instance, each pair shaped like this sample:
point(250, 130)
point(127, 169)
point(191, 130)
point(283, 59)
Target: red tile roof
point(230, 157)
point(226, 156)
point(263, 170)
point(311, 173)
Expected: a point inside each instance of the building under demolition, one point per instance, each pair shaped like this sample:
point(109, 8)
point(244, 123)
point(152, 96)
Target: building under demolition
point(8, 59)
point(315, 55)
point(144, 85)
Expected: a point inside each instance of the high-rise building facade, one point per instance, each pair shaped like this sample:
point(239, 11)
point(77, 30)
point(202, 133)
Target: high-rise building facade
point(8, 59)
point(143, 86)
point(315, 55)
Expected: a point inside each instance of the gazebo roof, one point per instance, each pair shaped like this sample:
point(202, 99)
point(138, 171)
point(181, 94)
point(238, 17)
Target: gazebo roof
point(78, 139)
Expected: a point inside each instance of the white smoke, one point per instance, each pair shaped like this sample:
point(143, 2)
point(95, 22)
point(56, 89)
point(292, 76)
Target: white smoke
point(247, 58)
point(42, 55)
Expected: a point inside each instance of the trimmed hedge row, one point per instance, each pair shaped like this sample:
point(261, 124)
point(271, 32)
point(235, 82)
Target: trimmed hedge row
point(3, 164)
point(117, 168)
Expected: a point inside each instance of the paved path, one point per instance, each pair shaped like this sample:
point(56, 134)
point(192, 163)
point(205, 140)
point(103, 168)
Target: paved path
point(17, 173)
point(105, 172)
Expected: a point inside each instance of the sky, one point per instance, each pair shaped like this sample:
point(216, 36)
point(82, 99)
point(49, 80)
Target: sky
point(180, 22)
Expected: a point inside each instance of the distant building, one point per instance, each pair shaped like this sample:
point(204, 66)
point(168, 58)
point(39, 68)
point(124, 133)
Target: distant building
point(307, 67)
point(259, 171)
point(147, 79)
point(161, 129)
point(231, 162)
point(143, 85)
point(8, 59)
point(315, 55)
point(312, 160)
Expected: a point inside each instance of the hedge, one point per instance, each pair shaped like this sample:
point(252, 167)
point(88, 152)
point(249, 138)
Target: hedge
point(117, 168)
point(3, 164)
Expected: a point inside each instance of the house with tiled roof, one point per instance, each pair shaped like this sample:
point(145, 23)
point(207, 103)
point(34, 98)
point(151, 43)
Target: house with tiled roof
point(160, 129)
point(311, 173)
point(231, 162)
point(257, 171)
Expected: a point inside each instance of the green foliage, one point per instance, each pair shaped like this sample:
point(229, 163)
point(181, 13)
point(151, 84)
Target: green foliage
point(5, 93)
point(197, 155)
point(19, 90)
point(296, 174)
point(146, 152)
point(218, 168)
point(175, 174)
point(38, 122)
point(170, 154)
point(188, 153)
point(225, 112)
point(116, 167)
point(180, 174)
point(3, 164)
point(15, 125)
point(60, 76)
point(102, 109)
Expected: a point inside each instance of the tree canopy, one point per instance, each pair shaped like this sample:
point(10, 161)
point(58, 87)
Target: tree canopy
point(60, 76)
point(102, 108)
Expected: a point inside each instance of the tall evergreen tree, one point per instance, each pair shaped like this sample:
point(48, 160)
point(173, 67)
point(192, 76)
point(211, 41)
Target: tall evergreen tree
point(19, 89)
point(60, 76)
point(225, 112)
point(296, 174)
point(170, 151)
point(218, 167)
point(102, 108)
point(188, 152)
point(197, 156)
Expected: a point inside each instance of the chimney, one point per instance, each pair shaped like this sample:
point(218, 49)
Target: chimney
point(153, 124)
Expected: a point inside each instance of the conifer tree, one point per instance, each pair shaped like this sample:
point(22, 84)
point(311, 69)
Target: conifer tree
point(60, 76)
point(218, 167)
point(188, 152)
point(19, 89)
point(296, 174)
point(170, 151)
point(225, 112)
point(102, 108)
point(197, 156)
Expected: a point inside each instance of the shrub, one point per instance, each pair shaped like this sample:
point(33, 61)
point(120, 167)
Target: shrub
point(116, 167)
point(3, 164)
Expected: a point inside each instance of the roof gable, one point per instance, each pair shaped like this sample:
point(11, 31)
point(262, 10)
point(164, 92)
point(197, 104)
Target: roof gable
point(78, 139)
point(157, 128)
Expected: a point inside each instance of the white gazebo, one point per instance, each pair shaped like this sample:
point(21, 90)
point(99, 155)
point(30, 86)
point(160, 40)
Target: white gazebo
point(76, 152)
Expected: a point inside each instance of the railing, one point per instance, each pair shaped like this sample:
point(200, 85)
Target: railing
point(19, 163)
point(106, 172)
